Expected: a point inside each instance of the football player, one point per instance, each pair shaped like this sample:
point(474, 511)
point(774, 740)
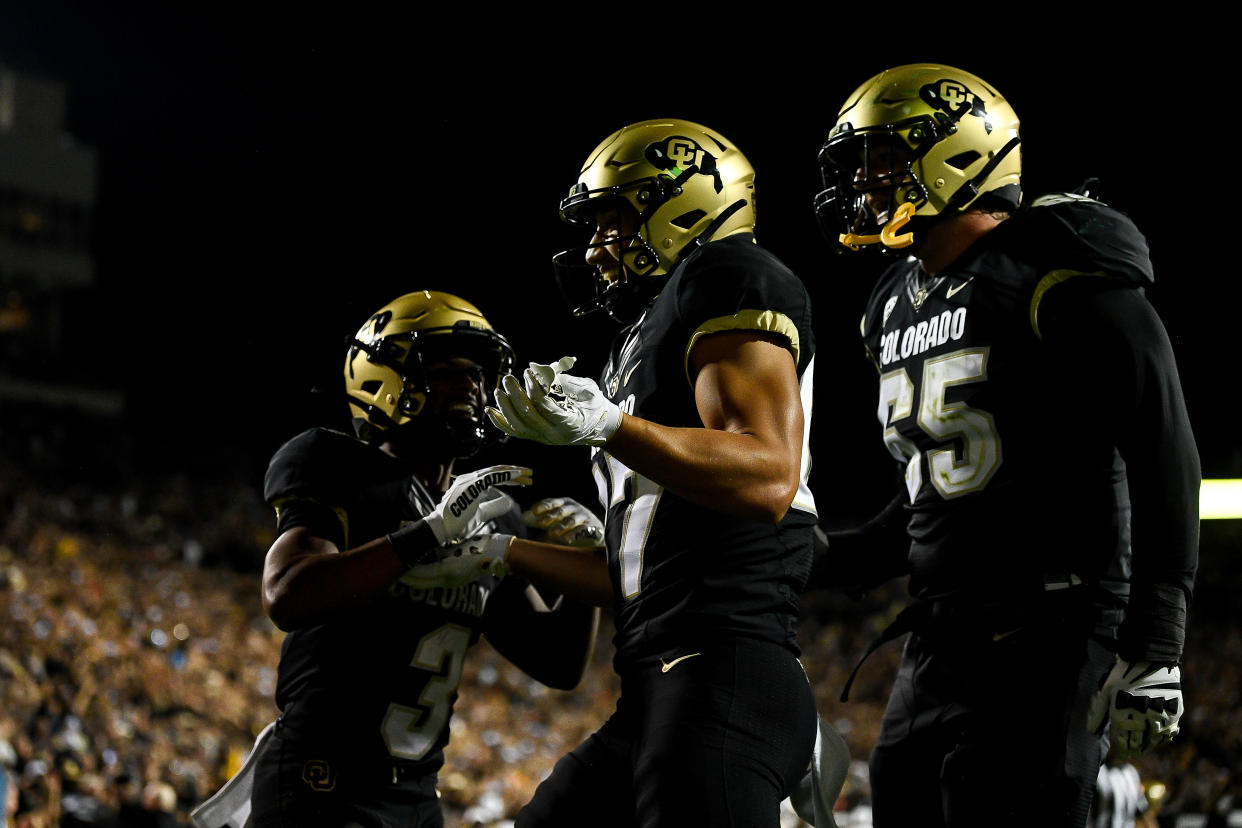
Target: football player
point(1048, 523)
point(697, 431)
point(369, 669)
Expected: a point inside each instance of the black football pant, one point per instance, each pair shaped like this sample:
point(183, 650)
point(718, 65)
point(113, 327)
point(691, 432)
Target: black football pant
point(988, 728)
point(717, 741)
point(302, 786)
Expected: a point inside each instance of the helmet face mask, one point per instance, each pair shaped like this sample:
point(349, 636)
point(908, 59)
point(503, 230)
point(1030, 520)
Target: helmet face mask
point(866, 177)
point(954, 138)
point(680, 184)
point(386, 372)
point(617, 239)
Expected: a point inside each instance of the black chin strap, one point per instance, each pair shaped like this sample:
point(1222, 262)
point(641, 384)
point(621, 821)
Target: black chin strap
point(374, 414)
point(967, 192)
point(665, 193)
point(710, 230)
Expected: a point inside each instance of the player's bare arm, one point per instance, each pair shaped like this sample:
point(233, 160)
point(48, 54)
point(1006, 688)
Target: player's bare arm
point(307, 578)
point(746, 458)
point(580, 573)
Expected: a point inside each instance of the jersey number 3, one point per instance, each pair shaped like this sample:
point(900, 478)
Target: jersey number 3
point(971, 449)
point(410, 732)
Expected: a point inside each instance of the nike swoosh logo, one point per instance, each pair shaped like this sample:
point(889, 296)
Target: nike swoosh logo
point(1003, 635)
point(948, 294)
point(665, 666)
point(626, 379)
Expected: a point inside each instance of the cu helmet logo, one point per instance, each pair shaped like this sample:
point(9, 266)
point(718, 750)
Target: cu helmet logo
point(374, 326)
point(368, 335)
point(680, 152)
point(683, 152)
point(955, 100)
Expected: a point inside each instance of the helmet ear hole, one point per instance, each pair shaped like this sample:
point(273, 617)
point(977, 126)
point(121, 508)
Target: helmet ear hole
point(371, 386)
point(963, 160)
point(687, 220)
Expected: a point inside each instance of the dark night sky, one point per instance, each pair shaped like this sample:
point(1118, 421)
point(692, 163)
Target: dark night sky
point(266, 183)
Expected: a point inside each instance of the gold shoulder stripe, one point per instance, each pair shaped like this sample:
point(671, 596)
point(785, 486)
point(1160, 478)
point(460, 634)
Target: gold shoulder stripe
point(1050, 280)
point(341, 515)
point(768, 321)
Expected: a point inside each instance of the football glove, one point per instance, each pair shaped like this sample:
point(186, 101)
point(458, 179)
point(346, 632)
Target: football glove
point(565, 521)
point(1142, 702)
point(555, 408)
point(472, 500)
point(460, 563)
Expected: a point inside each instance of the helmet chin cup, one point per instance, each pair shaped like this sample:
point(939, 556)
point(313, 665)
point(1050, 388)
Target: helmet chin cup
point(888, 235)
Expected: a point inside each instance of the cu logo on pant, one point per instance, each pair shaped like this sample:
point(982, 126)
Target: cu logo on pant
point(318, 774)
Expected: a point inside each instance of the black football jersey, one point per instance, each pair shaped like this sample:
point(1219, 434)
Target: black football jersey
point(381, 681)
point(1012, 474)
point(682, 573)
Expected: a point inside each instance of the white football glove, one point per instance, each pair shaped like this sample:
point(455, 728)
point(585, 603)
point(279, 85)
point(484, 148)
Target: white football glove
point(1143, 703)
point(471, 501)
point(555, 408)
point(565, 521)
point(460, 563)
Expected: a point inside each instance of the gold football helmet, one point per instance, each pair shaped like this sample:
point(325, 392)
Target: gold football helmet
point(384, 379)
point(912, 144)
point(686, 185)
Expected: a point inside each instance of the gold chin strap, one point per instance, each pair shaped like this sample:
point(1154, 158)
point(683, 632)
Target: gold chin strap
point(888, 233)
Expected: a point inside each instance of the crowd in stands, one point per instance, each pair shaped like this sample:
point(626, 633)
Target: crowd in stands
point(136, 664)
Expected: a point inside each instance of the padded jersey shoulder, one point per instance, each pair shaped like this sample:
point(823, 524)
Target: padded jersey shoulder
point(732, 274)
point(1066, 232)
point(1060, 238)
point(327, 465)
point(733, 283)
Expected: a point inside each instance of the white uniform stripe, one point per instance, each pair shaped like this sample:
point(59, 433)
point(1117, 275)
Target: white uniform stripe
point(804, 501)
point(638, 518)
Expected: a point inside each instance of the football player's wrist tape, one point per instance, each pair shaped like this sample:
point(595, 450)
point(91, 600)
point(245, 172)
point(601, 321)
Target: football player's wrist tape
point(1155, 625)
point(412, 541)
point(555, 408)
point(472, 500)
point(565, 521)
point(460, 563)
point(1142, 703)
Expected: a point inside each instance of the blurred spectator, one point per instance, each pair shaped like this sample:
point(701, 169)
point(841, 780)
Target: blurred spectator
point(8, 798)
point(124, 663)
point(1120, 801)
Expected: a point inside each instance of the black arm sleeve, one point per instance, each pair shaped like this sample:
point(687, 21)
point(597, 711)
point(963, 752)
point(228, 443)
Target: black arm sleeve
point(1131, 386)
point(321, 520)
point(865, 556)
